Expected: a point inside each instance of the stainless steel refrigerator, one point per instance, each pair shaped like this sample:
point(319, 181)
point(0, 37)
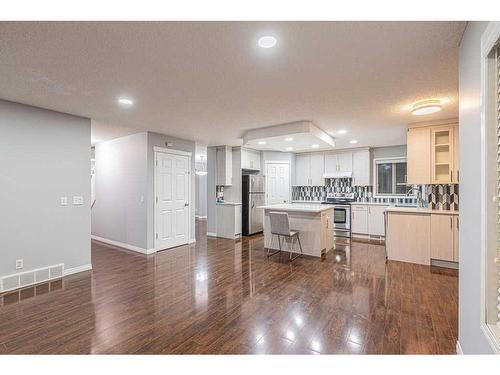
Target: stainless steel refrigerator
point(253, 197)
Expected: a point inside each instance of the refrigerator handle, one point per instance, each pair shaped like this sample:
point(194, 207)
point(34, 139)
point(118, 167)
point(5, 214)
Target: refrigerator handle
point(253, 203)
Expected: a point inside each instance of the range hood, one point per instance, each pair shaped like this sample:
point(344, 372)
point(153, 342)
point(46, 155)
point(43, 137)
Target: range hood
point(338, 175)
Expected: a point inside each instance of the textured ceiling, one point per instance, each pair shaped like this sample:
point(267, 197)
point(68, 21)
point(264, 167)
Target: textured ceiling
point(208, 81)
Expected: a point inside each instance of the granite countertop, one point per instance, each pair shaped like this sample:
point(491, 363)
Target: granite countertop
point(227, 204)
point(299, 207)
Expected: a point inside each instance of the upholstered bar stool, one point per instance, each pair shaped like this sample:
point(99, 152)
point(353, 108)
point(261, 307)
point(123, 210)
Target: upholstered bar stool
point(280, 226)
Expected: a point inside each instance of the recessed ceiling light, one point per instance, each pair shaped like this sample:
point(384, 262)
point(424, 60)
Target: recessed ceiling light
point(125, 101)
point(262, 142)
point(315, 146)
point(342, 131)
point(425, 107)
point(267, 41)
point(353, 141)
point(288, 139)
point(289, 148)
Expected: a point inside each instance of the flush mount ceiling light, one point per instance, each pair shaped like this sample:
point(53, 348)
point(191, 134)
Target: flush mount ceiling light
point(288, 139)
point(425, 107)
point(262, 142)
point(315, 146)
point(267, 41)
point(289, 148)
point(125, 101)
point(353, 141)
point(342, 131)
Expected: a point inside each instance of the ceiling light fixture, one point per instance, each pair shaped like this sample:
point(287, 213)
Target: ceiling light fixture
point(289, 148)
point(125, 101)
point(425, 107)
point(288, 139)
point(342, 131)
point(267, 41)
point(353, 141)
point(315, 146)
point(262, 142)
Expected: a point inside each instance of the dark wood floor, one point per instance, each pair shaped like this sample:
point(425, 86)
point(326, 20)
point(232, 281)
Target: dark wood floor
point(221, 296)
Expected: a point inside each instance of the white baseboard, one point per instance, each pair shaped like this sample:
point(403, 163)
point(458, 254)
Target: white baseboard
point(126, 246)
point(201, 217)
point(71, 271)
point(211, 234)
point(459, 348)
point(192, 241)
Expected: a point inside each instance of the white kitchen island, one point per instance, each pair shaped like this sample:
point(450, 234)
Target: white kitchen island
point(313, 221)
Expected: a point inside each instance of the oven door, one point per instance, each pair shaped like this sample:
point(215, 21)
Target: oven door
point(342, 217)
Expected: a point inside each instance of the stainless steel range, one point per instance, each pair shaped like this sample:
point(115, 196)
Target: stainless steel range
point(341, 213)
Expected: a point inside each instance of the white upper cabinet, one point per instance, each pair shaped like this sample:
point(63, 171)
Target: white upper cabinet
point(250, 159)
point(361, 168)
point(338, 164)
point(224, 156)
point(309, 169)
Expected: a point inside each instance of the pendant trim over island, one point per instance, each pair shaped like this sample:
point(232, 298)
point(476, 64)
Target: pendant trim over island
point(314, 222)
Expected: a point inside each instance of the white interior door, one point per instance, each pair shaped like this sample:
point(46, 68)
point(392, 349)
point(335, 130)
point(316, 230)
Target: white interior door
point(277, 183)
point(172, 200)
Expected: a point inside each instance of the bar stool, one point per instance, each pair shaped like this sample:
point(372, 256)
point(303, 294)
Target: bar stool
point(280, 226)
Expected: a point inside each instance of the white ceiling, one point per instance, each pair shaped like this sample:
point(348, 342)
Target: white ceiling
point(209, 82)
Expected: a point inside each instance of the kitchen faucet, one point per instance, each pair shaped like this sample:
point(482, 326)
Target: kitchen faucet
point(420, 201)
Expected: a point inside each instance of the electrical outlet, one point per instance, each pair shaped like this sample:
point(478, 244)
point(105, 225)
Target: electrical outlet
point(77, 200)
point(64, 201)
point(19, 264)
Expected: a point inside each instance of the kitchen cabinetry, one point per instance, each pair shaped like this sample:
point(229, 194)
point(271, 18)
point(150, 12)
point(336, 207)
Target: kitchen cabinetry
point(368, 220)
point(338, 164)
point(442, 237)
point(455, 238)
point(229, 220)
point(359, 219)
point(250, 159)
point(224, 156)
point(433, 152)
point(418, 156)
point(361, 168)
point(309, 169)
point(408, 236)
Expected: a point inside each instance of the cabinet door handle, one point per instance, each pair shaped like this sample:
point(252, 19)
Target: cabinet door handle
point(451, 222)
point(451, 175)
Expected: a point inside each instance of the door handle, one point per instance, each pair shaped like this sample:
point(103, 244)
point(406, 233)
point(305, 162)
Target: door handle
point(186, 204)
point(253, 204)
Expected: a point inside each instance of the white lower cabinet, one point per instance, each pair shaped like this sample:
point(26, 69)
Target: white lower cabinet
point(359, 219)
point(368, 219)
point(229, 220)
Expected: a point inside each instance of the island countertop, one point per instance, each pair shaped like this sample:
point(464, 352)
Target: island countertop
point(299, 207)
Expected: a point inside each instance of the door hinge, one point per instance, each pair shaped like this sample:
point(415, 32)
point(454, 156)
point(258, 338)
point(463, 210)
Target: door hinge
point(156, 235)
point(156, 199)
point(156, 162)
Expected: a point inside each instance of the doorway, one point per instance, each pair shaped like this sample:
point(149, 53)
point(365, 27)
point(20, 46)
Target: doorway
point(277, 182)
point(172, 198)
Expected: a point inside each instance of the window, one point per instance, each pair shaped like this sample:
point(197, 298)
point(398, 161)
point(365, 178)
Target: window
point(390, 176)
point(491, 193)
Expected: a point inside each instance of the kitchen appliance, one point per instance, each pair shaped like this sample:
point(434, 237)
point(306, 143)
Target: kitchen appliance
point(341, 213)
point(253, 197)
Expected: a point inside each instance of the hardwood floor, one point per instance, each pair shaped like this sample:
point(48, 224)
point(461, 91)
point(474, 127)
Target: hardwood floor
point(221, 296)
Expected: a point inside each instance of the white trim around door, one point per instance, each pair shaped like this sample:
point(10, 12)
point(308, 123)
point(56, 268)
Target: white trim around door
point(183, 166)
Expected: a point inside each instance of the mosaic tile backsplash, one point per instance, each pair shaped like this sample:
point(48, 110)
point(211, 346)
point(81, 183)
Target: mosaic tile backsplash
point(439, 197)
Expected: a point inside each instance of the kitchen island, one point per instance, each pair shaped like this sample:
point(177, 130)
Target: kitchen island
point(313, 221)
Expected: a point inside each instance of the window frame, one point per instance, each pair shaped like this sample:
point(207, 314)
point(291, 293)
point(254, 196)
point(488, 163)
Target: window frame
point(385, 160)
point(489, 162)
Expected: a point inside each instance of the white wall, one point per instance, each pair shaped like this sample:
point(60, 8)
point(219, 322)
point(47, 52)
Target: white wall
point(471, 337)
point(120, 211)
point(211, 183)
point(44, 155)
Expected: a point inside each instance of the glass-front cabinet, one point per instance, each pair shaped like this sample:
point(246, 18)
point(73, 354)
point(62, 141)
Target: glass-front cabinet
point(443, 155)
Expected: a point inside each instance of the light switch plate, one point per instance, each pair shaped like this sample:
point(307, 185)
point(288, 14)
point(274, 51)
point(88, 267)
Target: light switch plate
point(19, 264)
point(77, 200)
point(64, 201)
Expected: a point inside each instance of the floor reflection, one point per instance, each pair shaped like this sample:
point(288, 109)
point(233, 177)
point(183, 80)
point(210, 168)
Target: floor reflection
point(222, 296)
